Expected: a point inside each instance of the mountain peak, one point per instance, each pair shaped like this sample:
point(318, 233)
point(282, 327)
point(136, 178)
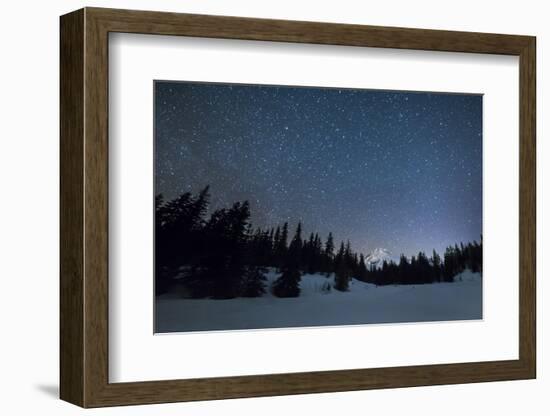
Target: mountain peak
point(377, 256)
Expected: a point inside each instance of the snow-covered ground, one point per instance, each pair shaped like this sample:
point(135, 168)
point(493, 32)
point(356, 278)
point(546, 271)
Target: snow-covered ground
point(363, 304)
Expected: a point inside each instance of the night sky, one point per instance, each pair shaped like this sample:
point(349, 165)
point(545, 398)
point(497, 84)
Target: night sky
point(384, 169)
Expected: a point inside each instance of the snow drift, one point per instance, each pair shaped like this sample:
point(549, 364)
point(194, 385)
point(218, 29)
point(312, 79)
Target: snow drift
point(364, 303)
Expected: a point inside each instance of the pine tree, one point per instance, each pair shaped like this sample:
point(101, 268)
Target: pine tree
point(288, 284)
point(159, 203)
point(284, 236)
point(317, 265)
point(253, 284)
point(329, 246)
point(276, 237)
point(296, 242)
point(450, 266)
point(340, 256)
point(221, 272)
point(348, 258)
point(162, 278)
point(404, 267)
point(355, 265)
point(294, 256)
point(281, 246)
point(275, 255)
point(362, 269)
point(436, 264)
point(329, 255)
point(423, 267)
point(341, 280)
point(178, 233)
point(308, 254)
point(200, 207)
point(477, 257)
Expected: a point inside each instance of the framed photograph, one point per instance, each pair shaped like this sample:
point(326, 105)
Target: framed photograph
point(255, 207)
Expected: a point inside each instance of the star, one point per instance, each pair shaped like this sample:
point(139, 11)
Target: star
point(399, 170)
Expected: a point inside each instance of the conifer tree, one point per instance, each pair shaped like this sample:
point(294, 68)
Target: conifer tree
point(284, 236)
point(295, 248)
point(253, 284)
point(296, 243)
point(317, 254)
point(308, 254)
point(281, 246)
point(348, 258)
point(341, 280)
point(276, 237)
point(340, 256)
point(329, 255)
point(288, 284)
point(221, 272)
point(362, 269)
point(436, 264)
point(329, 246)
point(405, 272)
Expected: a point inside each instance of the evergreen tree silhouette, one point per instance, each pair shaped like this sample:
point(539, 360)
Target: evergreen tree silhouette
point(177, 231)
point(436, 264)
point(224, 257)
point(309, 254)
point(221, 272)
point(329, 254)
point(294, 256)
point(362, 272)
point(288, 284)
point(253, 284)
point(342, 277)
point(405, 272)
point(281, 246)
point(317, 261)
point(340, 256)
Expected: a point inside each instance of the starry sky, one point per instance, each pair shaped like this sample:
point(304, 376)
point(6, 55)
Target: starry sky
point(383, 169)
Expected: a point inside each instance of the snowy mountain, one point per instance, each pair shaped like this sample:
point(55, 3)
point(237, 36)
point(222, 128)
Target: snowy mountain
point(377, 257)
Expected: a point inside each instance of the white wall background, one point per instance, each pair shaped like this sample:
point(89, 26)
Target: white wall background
point(29, 225)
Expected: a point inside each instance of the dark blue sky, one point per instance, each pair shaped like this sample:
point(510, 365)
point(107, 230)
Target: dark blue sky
point(395, 170)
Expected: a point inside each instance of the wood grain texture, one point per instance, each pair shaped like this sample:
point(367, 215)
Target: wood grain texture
point(84, 207)
point(162, 23)
point(96, 219)
point(527, 208)
point(71, 208)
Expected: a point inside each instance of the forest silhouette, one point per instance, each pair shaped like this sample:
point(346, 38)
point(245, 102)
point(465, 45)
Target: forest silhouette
point(223, 256)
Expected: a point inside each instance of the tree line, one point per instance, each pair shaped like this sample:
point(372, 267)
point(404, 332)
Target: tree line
point(423, 269)
point(223, 256)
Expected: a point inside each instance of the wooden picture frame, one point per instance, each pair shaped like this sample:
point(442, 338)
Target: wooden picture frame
point(84, 207)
